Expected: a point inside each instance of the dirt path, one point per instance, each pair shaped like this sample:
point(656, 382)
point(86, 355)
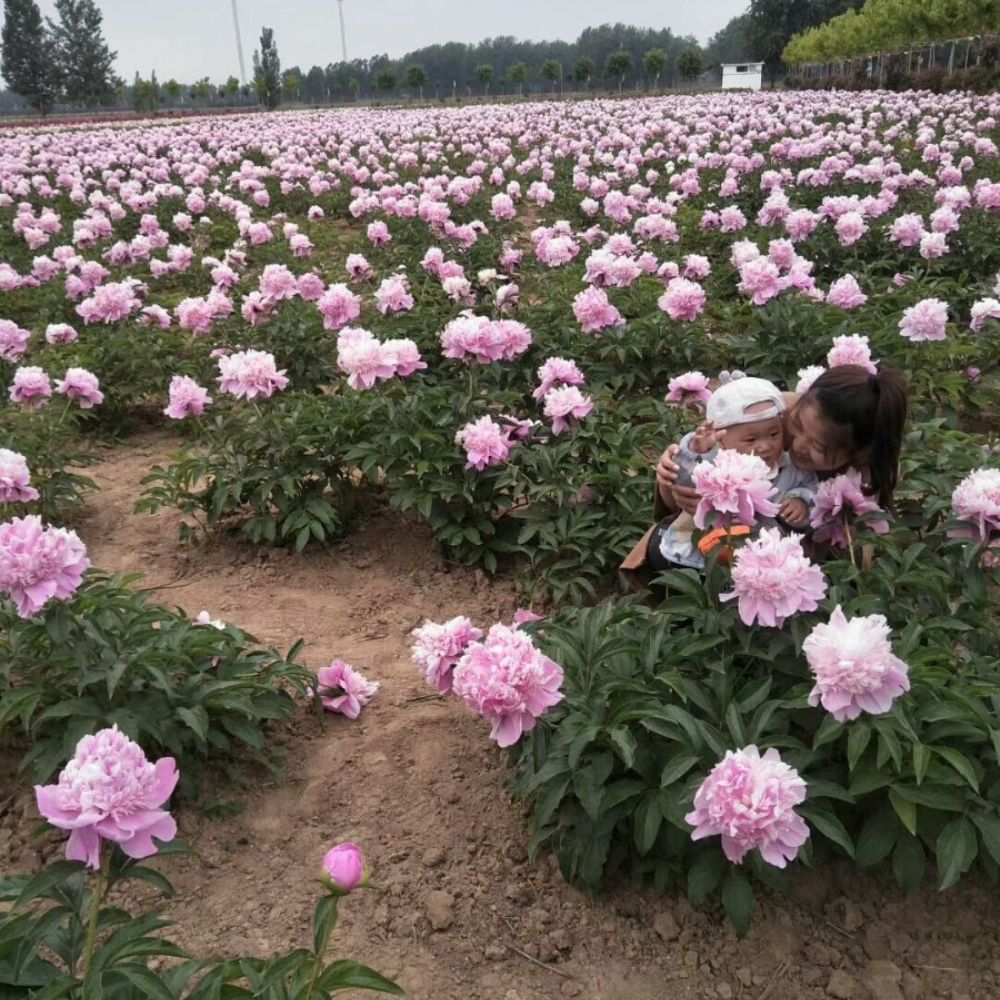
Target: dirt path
point(460, 913)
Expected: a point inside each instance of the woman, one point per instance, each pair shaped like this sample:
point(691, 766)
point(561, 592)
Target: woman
point(848, 418)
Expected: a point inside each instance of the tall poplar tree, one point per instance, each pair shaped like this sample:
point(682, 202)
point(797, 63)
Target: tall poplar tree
point(24, 55)
point(84, 61)
point(267, 69)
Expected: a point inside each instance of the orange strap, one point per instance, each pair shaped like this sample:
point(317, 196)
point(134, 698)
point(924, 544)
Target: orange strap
point(718, 535)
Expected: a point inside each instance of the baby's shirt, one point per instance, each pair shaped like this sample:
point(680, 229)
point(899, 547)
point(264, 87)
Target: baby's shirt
point(790, 482)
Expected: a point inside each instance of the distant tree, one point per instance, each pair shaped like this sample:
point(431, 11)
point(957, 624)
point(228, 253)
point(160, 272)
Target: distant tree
point(730, 44)
point(416, 77)
point(173, 90)
point(201, 90)
point(516, 75)
point(484, 75)
point(689, 64)
point(653, 62)
point(83, 60)
point(231, 88)
point(354, 85)
point(25, 57)
point(583, 70)
point(267, 70)
point(315, 85)
point(291, 85)
point(618, 64)
point(145, 94)
point(386, 80)
point(772, 23)
point(552, 71)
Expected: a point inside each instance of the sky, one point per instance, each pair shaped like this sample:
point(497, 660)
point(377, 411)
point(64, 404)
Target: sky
point(189, 39)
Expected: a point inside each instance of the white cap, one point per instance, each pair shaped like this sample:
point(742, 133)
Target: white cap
point(728, 405)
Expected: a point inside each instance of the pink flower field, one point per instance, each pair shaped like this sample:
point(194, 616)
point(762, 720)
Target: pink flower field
point(394, 383)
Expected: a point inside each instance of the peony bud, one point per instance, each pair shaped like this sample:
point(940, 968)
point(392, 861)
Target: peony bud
point(344, 868)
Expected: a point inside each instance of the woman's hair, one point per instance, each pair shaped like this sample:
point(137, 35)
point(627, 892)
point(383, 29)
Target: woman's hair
point(867, 414)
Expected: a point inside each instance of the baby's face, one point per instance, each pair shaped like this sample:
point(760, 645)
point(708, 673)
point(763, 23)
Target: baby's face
point(763, 438)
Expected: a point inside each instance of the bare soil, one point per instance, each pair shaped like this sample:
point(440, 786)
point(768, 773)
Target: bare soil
point(460, 913)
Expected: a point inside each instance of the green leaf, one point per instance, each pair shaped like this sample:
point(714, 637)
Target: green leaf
point(921, 758)
point(324, 921)
point(676, 768)
point(704, 875)
point(829, 730)
point(196, 719)
point(909, 863)
point(346, 975)
point(826, 821)
point(648, 820)
point(857, 742)
point(52, 875)
point(960, 763)
point(955, 850)
point(945, 797)
point(989, 829)
point(905, 810)
point(737, 900)
point(877, 838)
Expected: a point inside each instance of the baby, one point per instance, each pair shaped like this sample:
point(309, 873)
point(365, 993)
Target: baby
point(744, 415)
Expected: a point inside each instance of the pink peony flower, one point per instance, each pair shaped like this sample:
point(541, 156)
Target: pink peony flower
point(358, 269)
point(749, 800)
point(926, 320)
point(850, 227)
point(110, 791)
point(277, 283)
point(378, 234)
point(565, 404)
point(404, 356)
point(837, 498)
point(852, 350)
point(15, 479)
point(342, 689)
point(110, 303)
point(310, 286)
point(854, 666)
point(38, 563)
point(250, 374)
point(736, 486)
point(82, 385)
point(13, 340)
point(807, 376)
point(773, 579)
point(760, 279)
point(508, 681)
point(60, 333)
point(339, 307)
point(187, 398)
point(983, 310)
point(362, 358)
point(907, 230)
point(485, 442)
point(30, 387)
point(439, 647)
point(683, 300)
point(344, 868)
point(976, 500)
point(594, 312)
point(845, 293)
point(557, 371)
point(933, 245)
point(155, 316)
point(697, 267)
point(393, 295)
point(691, 387)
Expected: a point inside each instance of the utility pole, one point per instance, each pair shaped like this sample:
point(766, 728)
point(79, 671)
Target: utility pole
point(343, 33)
point(239, 45)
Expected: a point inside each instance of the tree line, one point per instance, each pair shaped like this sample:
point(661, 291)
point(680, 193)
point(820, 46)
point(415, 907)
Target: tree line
point(66, 60)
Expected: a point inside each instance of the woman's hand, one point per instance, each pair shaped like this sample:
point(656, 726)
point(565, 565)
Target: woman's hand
point(667, 470)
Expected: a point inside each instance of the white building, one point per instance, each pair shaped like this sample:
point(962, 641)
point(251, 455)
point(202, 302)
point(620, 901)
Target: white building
point(742, 76)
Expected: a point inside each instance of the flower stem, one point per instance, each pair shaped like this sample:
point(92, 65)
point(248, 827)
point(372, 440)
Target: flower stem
point(850, 541)
point(96, 898)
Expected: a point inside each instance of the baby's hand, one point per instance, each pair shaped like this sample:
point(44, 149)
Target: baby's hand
point(794, 511)
point(705, 438)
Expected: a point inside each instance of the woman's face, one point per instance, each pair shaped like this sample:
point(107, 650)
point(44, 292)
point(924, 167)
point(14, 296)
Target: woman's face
point(809, 440)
